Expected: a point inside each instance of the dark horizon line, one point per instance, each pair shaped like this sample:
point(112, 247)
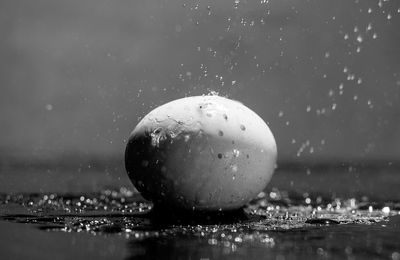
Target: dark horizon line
point(110, 162)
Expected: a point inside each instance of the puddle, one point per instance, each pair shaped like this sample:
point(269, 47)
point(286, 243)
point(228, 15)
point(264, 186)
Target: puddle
point(274, 223)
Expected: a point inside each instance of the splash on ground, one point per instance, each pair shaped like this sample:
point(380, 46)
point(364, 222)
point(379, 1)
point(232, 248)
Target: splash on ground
point(125, 213)
point(276, 224)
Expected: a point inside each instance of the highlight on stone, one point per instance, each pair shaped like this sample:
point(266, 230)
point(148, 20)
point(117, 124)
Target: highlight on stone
point(204, 153)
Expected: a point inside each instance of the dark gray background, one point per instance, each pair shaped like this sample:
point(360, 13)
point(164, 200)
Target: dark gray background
point(75, 76)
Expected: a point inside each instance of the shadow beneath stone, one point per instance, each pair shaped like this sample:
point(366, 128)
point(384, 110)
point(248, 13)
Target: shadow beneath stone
point(166, 216)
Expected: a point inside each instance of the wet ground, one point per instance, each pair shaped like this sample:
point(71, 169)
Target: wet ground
point(282, 223)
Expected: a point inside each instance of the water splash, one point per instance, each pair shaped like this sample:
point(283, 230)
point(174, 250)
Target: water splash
point(126, 212)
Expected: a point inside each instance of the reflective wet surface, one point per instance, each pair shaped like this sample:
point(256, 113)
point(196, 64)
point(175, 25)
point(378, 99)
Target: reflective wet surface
point(119, 223)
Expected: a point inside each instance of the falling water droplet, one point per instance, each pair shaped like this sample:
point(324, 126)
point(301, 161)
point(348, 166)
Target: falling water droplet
point(209, 9)
point(49, 107)
point(236, 5)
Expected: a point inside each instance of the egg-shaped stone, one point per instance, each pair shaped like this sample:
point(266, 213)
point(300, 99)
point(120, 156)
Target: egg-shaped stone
point(201, 153)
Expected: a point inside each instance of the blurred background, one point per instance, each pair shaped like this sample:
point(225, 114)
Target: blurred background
point(77, 76)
